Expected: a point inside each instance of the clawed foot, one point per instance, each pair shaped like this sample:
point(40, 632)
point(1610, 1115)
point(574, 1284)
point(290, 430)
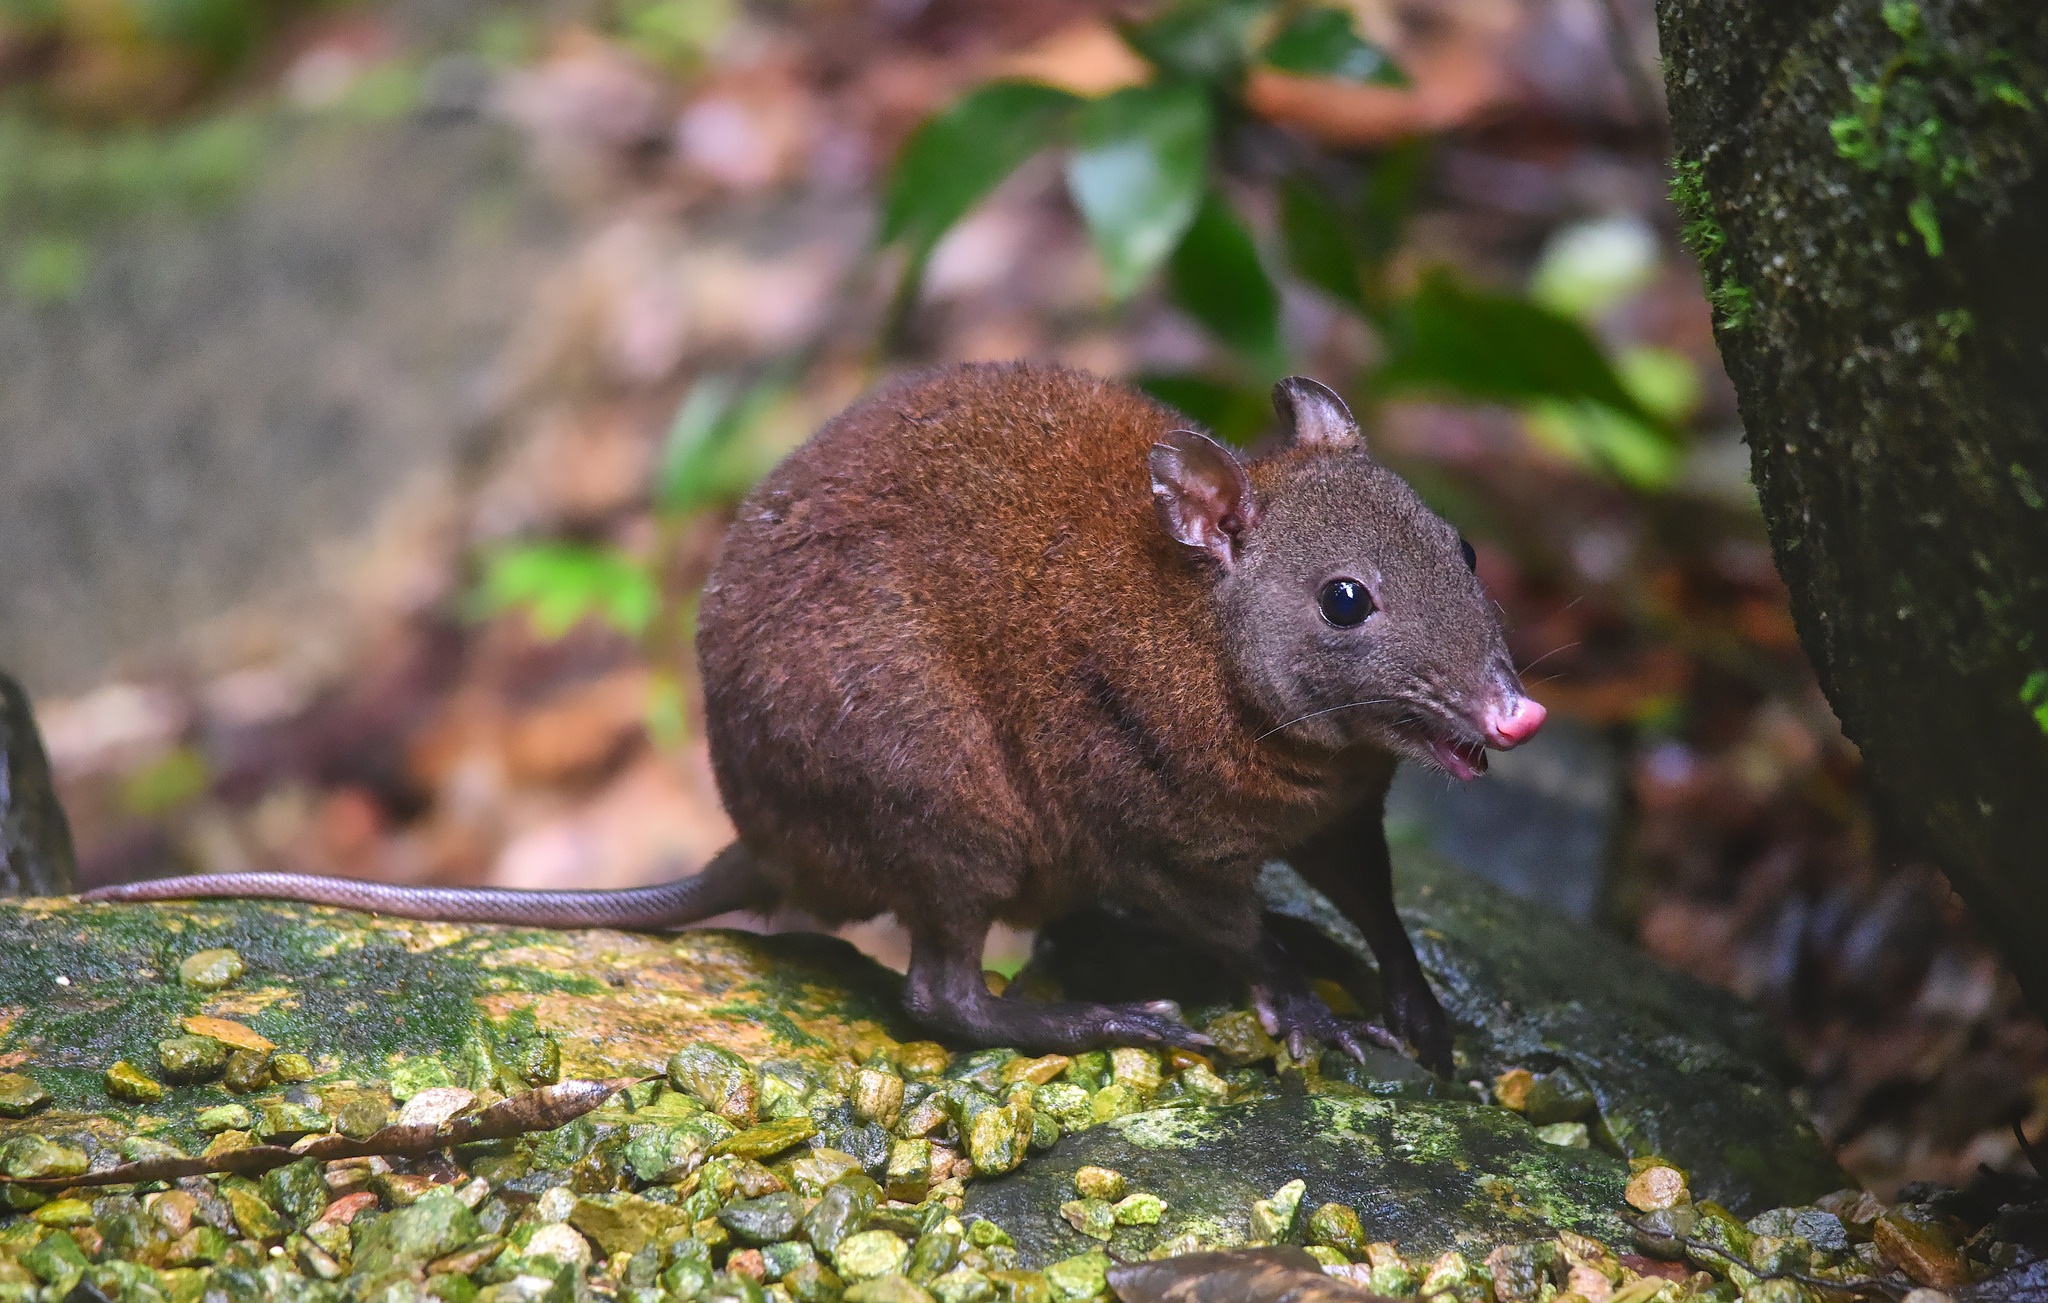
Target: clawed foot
point(1063, 1027)
point(1297, 1017)
point(1158, 1022)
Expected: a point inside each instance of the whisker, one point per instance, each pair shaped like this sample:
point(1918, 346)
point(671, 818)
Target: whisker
point(1547, 655)
point(1373, 701)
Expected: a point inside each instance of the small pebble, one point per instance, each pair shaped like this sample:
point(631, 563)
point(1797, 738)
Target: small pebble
point(877, 1097)
point(560, 1241)
point(1092, 1217)
point(869, 1254)
point(128, 1082)
point(1511, 1088)
point(224, 1117)
point(1135, 1069)
point(247, 1070)
point(1140, 1209)
point(1273, 1219)
point(191, 1058)
point(1569, 1135)
point(1036, 1071)
point(362, 1117)
point(20, 1095)
point(1655, 1185)
point(922, 1060)
point(210, 970)
point(1337, 1226)
point(1081, 1277)
point(228, 1033)
point(1921, 1247)
point(64, 1212)
point(1100, 1183)
point(436, 1106)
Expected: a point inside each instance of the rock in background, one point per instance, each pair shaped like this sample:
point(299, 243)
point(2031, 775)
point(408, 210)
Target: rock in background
point(231, 396)
point(35, 839)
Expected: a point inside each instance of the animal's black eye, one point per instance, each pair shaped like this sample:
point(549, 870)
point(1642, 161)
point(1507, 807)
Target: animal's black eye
point(1471, 557)
point(1345, 602)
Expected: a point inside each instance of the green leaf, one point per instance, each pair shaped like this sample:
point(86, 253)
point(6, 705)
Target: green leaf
point(1138, 175)
point(698, 466)
point(956, 158)
point(1318, 240)
point(1207, 41)
point(1597, 437)
point(1390, 197)
point(1216, 275)
point(559, 585)
point(1323, 43)
point(1233, 413)
point(1468, 344)
point(2034, 696)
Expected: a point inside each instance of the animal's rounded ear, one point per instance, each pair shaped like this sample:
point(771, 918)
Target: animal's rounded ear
point(1201, 493)
point(1315, 416)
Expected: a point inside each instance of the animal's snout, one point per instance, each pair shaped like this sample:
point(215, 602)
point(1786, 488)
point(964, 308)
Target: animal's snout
point(1513, 721)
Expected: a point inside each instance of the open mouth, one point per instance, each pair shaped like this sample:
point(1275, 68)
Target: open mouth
point(1461, 760)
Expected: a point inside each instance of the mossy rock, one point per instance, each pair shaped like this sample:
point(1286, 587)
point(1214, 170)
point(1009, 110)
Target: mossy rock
point(1429, 1175)
point(1675, 1067)
point(400, 1004)
point(387, 1007)
point(1678, 1068)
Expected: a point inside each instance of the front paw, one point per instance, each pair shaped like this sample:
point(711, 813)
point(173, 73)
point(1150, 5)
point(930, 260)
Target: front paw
point(1157, 1023)
point(1422, 1023)
point(1295, 1018)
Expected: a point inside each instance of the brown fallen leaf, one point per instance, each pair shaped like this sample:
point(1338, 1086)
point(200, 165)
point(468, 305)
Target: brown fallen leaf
point(228, 1033)
point(536, 1110)
point(1272, 1275)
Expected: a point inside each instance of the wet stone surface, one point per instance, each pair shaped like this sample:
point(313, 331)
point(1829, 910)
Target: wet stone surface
point(792, 1138)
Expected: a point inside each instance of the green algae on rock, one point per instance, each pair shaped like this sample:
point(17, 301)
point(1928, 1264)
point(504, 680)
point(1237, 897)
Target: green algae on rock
point(1431, 1175)
point(349, 997)
point(20, 1095)
point(1674, 1067)
point(764, 1161)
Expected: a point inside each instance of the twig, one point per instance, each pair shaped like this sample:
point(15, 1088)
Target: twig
point(1877, 1285)
point(536, 1110)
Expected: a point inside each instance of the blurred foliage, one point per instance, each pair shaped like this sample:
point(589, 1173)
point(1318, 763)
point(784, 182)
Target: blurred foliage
point(2034, 696)
point(1145, 167)
point(172, 781)
point(559, 585)
point(675, 34)
point(124, 58)
point(59, 184)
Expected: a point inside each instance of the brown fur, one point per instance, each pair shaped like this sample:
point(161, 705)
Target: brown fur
point(1004, 641)
point(955, 669)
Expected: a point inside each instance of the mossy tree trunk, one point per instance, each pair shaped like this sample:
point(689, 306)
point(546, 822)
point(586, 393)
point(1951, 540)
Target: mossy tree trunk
point(1866, 184)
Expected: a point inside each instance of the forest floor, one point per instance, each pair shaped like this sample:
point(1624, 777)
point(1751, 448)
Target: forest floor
point(722, 181)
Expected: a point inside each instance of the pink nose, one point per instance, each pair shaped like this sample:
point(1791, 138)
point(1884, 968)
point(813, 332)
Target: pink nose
point(1514, 722)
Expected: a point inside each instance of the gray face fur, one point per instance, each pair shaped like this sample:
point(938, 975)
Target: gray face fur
point(1430, 657)
point(1427, 664)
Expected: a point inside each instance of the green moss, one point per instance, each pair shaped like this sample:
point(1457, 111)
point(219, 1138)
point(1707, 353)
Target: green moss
point(1910, 121)
point(1701, 231)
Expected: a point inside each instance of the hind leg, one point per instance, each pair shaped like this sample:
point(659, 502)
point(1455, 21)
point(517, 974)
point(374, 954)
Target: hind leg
point(946, 993)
